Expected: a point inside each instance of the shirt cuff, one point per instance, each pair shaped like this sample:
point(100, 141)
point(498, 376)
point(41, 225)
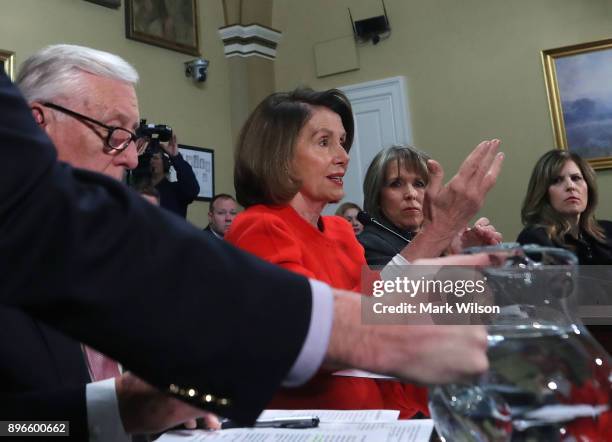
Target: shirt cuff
point(391, 270)
point(399, 260)
point(317, 340)
point(103, 419)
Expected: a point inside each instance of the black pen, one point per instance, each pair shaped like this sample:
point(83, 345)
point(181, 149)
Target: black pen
point(278, 422)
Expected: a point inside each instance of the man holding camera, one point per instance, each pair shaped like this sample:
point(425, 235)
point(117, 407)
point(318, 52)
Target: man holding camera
point(177, 195)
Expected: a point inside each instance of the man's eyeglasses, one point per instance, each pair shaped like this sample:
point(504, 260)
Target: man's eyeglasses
point(118, 138)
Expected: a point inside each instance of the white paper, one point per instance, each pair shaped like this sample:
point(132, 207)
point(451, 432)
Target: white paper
point(277, 435)
point(361, 374)
point(337, 416)
point(418, 430)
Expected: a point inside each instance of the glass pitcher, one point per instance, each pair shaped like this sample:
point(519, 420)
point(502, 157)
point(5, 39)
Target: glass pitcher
point(548, 379)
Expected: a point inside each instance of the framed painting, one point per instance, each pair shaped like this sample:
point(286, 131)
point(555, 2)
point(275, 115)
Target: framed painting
point(7, 62)
point(170, 24)
point(579, 87)
point(202, 162)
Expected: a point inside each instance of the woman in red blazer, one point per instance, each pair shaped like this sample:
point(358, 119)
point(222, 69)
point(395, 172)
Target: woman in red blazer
point(290, 162)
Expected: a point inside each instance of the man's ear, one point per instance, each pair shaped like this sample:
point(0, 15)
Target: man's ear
point(38, 113)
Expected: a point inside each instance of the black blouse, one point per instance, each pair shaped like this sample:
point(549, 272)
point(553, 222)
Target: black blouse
point(380, 245)
point(588, 250)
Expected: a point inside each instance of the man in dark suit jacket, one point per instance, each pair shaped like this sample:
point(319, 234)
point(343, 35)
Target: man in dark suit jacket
point(59, 360)
point(91, 258)
point(45, 367)
point(71, 120)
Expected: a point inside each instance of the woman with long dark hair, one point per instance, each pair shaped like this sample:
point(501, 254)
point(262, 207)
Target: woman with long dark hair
point(559, 208)
point(559, 211)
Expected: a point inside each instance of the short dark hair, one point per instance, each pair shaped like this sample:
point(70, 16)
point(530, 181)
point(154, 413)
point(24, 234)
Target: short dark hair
point(537, 210)
point(219, 196)
point(265, 148)
point(412, 159)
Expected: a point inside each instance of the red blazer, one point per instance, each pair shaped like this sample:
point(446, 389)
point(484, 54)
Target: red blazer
point(333, 255)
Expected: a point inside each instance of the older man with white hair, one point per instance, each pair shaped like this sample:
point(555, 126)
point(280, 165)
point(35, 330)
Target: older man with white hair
point(85, 101)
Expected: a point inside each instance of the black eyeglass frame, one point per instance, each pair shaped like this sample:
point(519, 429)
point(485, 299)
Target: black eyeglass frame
point(133, 137)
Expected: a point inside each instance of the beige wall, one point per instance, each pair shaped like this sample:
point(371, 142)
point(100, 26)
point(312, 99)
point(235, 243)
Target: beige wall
point(251, 79)
point(473, 71)
point(200, 114)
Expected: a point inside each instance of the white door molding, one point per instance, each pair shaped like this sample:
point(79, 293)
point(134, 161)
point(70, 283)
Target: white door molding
point(381, 120)
point(394, 89)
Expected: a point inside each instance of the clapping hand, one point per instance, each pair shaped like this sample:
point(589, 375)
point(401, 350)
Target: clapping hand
point(482, 234)
point(450, 207)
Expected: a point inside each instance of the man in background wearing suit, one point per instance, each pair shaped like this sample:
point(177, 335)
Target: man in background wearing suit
point(221, 213)
point(91, 258)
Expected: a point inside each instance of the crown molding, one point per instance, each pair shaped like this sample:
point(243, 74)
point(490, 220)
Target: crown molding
point(253, 40)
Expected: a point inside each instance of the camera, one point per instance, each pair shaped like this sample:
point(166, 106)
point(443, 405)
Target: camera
point(197, 69)
point(160, 132)
point(140, 177)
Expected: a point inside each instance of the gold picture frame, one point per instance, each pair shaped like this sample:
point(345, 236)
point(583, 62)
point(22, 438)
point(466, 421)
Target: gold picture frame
point(7, 62)
point(170, 24)
point(580, 99)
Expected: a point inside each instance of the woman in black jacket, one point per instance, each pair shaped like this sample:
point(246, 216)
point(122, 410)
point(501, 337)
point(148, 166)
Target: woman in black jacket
point(394, 196)
point(559, 211)
point(559, 208)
